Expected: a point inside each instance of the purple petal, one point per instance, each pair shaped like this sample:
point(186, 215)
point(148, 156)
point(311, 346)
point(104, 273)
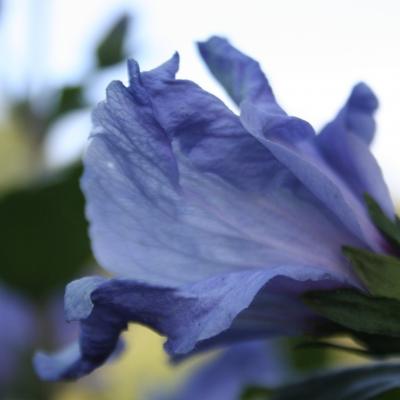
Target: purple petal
point(232, 206)
point(344, 144)
point(187, 316)
point(276, 310)
point(304, 159)
point(209, 227)
point(240, 75)
point(293, 143)
point(203, 129)
point(358, 112)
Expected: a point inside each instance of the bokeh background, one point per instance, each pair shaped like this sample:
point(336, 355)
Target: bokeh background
point(57, 57)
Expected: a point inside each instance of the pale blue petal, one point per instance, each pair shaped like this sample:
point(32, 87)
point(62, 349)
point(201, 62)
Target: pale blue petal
point(344, 145)
point(240, 75)
point(292, 141)
point(208, 200)
point(188, 316)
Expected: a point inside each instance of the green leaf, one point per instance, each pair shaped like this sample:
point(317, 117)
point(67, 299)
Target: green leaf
point(333, 346)
point(43, 235)
point(110, 50)
point(306, 360)
point(256, 393)
point(357, 383)
point(391, 395)
point(380, 273)
point(378, 346)
point(357, 311)
point(71, 98)
point(391, 229)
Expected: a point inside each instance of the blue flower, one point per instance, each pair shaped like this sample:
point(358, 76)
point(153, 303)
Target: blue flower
point(214, 224)
point(240, 366)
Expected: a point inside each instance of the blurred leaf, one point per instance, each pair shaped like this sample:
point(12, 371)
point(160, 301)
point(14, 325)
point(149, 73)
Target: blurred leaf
point(110, 50)
point(71, 98)
point(391, 395)
point(391, 229)
point(33, 124)
point(378, 345)
point(22, 108)
point(357, 311)
point(333, 346)
point(256, 393)
point(306, 360)
point(18, 156)
point(369, 346)
point(43, 235)
point(358, 383)
point(380, 273)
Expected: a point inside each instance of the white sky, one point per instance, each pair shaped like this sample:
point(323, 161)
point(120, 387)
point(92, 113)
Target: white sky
point(313, 51)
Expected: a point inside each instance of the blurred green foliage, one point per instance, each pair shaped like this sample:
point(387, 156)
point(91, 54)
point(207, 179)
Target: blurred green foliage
point(70, 98)
point(257, 393)
point(389, 228)
point(379, 273)
point(307, 359)
point(43, 235)
point(357, 383)
point(111, 49)
point(357, 311)
point(44, 241)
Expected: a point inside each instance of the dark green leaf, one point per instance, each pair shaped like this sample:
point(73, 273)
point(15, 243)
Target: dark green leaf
point(256, 393)
point(378, 346)
point(391, 229)
point(333, 346)
point(71, 98)
point(380, 273)
point(110, 50)
point(306, 360)
point(43, 234)
point(357, 383)
point(32, 123)
point(391, 395)
point(357, 311)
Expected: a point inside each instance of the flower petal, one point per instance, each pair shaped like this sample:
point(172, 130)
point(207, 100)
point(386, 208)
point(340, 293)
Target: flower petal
point(276, 310)
point(341, 184)
point(146, 203)
point(186, 316)
point(204, 129)
point(240, 75)
point(344, 144)
point(358, 112)
point(293, 142)
point(304, 160)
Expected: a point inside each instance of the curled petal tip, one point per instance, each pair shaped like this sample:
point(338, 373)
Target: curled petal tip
point(55, 367)
point(164, 72)
point(133, 69)
point(78, 302)
point(212, 43)
point(213, 39)
point(170, 67)
point(363, 98)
